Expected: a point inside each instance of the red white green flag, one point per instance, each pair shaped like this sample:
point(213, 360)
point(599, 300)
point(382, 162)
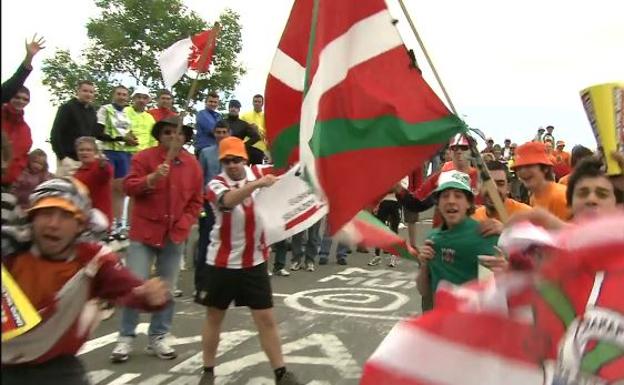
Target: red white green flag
point(561, 324)
point(344, 98)
point(368, 231)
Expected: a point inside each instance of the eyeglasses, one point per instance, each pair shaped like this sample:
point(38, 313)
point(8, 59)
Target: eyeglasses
point(459, 148)
point(236, 160)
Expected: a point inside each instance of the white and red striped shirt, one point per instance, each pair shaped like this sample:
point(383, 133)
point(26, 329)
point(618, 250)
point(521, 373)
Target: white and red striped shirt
point(237, 237)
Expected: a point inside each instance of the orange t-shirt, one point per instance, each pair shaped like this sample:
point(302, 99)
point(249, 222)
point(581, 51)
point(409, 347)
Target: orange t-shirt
point(512, 207)
point(41, 279)
point(553, 199)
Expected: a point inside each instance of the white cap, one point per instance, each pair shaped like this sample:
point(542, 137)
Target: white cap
point(141, 90)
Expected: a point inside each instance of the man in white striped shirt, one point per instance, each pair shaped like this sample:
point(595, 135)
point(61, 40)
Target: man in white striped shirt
point(236, 258)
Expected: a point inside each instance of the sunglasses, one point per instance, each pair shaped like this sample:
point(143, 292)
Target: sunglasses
point(236, 160)
point(459, 148)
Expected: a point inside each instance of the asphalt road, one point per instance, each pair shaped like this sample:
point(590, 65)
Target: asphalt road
point(330, 322)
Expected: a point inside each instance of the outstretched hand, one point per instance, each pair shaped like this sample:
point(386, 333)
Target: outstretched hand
point(34, 46)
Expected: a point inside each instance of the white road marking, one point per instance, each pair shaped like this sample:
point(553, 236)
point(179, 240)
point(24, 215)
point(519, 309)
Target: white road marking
point(335, 353)
point(229, 340)
point(332, 301)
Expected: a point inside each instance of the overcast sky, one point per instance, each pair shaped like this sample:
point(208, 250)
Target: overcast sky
point(509, 67)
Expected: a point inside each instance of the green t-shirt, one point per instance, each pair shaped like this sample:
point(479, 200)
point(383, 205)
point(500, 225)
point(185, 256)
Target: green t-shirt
point(456, 252)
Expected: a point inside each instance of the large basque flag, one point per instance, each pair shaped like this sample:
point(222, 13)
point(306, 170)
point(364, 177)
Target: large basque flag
point(344, 97)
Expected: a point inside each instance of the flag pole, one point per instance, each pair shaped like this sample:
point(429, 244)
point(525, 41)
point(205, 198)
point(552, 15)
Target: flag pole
point(216, 28)
point(484, 174)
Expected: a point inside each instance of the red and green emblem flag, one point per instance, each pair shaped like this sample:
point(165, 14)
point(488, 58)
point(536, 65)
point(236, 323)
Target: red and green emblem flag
point(368, 231)
point(344, 98)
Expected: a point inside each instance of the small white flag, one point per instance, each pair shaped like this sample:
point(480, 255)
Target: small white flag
point(184, 55)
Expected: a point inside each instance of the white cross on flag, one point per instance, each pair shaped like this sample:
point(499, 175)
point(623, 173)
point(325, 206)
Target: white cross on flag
point(186, 54)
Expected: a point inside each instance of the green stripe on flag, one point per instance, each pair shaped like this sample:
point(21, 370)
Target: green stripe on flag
point(553, 295)
point(340, 135)
point(603, 353)
point(283, 145)
point(311, 40)
point(399, 248)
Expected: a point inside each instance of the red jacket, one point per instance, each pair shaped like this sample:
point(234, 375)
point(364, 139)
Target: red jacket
point(171, 207)
point(98, 177)
point(161, 113)
point(18, 133)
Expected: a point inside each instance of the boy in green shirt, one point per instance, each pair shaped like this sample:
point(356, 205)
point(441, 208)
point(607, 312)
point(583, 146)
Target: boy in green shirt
point(451, 252)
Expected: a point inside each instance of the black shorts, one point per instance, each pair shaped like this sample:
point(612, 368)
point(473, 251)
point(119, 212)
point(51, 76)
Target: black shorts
point(246, 287)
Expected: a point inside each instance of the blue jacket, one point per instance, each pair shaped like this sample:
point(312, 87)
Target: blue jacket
point(209, 161)
point(206, 121)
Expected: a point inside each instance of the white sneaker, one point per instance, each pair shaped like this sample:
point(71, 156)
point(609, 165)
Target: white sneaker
point(309, 266)
point(122, 350)
point(393, 261)
point(281, 273)
point(296, 266)
point(158, 347)
point(375, 261)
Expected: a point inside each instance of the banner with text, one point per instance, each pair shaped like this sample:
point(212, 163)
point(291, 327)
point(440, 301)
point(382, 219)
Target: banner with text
point(288, 207)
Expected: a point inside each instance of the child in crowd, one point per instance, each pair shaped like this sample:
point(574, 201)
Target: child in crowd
point(97, 174)
point(36, 171)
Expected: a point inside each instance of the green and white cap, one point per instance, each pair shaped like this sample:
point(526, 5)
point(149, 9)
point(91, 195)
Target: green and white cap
point(453, 179)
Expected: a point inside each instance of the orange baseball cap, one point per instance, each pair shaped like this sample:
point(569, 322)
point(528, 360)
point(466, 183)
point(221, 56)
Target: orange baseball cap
point(531, 153)
point(232, 146)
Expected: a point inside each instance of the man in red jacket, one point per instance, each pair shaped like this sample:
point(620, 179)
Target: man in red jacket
point(167, 200)
point(17, 132)
point(164, 106)
point(63, 275)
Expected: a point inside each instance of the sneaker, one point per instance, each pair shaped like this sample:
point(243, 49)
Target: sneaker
point(376, 260)
point(310, 266)
point(122, 350)
point(177, 293)
point(323, 260)
point(288, 379)
point(341, 261)
point(281, 273)
point(160, 348)
point(393, 261)
point(207, 379)
point(107, 309)
point(296, 266)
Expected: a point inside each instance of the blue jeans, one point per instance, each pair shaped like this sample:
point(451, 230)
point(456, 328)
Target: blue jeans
point(326, 243)
point(311, 244)
point(139, 260)
point(280, 249)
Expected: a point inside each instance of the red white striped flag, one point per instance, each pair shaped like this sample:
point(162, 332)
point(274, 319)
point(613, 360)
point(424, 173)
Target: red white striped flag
point(562, 325)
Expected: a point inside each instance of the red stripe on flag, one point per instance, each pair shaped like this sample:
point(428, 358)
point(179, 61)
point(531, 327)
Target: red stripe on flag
point(512, 340)
point(225, 234)
point(250, 227)
point(282, 109)
point(387, 164)
point(405, 94)
point(301, 217)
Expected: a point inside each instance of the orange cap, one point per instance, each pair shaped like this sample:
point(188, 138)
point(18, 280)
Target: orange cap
point(531, 153)
point(58, 202)
point(232, 146)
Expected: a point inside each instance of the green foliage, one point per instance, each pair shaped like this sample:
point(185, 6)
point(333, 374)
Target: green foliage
point(124, 41)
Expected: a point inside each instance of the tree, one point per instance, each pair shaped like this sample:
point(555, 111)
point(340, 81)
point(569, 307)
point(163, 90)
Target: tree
point(124, 42)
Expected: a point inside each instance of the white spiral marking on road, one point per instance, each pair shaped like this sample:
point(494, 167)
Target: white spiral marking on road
point(348, 301)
